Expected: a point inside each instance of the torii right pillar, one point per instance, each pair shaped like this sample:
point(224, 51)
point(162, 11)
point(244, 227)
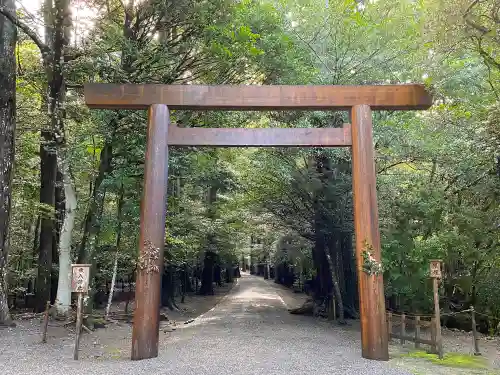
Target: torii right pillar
point(374, 335)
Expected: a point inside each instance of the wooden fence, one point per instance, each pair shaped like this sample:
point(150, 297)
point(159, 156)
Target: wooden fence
point(413, 328)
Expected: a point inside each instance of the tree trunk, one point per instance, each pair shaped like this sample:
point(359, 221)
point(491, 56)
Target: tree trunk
point(350, 275)
point(57, 27)
point(64, 284)
point(185, 283)
point(48, 173)
point(168, 285)
point(112, 288)
point(58, 39)
point(59, 211)
point(96, 202)
point(36, 237)
point(320, 260)
point(8, 37)
point(48, 165)
point(229, 274)
point(207, 276)
point(90, 255)
point(266, 270)
point(322, 280)
point(336, 288)
point(325, 234)
point(118, 240)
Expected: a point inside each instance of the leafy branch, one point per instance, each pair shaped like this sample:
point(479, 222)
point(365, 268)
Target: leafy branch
point(370, 265)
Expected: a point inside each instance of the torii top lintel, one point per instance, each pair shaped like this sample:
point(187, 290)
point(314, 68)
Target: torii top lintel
point(257, 98)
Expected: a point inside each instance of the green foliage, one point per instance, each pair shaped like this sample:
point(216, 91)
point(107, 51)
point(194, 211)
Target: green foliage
point(370, 265)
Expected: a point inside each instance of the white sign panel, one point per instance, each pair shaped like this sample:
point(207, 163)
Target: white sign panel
point(80, 276)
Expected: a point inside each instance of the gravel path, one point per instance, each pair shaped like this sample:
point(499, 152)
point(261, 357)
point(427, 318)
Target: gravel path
point(248, 332)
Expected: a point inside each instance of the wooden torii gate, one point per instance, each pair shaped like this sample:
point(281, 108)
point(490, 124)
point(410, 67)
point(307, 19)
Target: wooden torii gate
point(158, 99)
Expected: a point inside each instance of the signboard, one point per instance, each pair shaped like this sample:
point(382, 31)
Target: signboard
point(80, 275)
point(435, 269)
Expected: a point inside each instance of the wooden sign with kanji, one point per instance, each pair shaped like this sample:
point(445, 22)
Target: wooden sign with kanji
point(80, 278)
point(435, 268)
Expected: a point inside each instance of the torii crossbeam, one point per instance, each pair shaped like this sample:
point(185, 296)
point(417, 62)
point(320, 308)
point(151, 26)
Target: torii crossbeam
point(158, 99)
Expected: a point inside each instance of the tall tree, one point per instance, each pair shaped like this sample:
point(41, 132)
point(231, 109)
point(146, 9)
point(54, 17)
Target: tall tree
point(8, 36)
point(55, 53)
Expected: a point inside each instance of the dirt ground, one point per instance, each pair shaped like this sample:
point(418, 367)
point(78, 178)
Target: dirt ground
point(114, 341)
point(458, 342)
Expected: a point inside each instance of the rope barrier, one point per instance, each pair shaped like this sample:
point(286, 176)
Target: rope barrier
point(489, 316)
point(451, 313)
point(413, 315)
point(435, 328)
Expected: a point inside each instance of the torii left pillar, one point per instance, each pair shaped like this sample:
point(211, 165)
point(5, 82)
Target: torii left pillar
point(145, 333)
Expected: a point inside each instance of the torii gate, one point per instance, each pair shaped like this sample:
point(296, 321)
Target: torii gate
point(158, 99)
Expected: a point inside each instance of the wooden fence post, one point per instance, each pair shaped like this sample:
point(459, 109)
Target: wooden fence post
point(417, 331)
point(474, 331)
point(435, 272)
point(80, 277)
point(439, 340)
point(403, 328)
point(78, 325)
point(433, 335)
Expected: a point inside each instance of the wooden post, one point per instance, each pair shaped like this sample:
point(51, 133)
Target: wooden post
point(78, 324)
point(474, 331)
point(435, 271)
point(403, 328)
point(374, 341)
point(145, 332)
point(80, 278)
point(433, 335)
point(417, 331)
point(439, 341)
point(389, 325)
point(45, 322)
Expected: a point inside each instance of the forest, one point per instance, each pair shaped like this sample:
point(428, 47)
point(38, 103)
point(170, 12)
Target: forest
point(71, 178)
